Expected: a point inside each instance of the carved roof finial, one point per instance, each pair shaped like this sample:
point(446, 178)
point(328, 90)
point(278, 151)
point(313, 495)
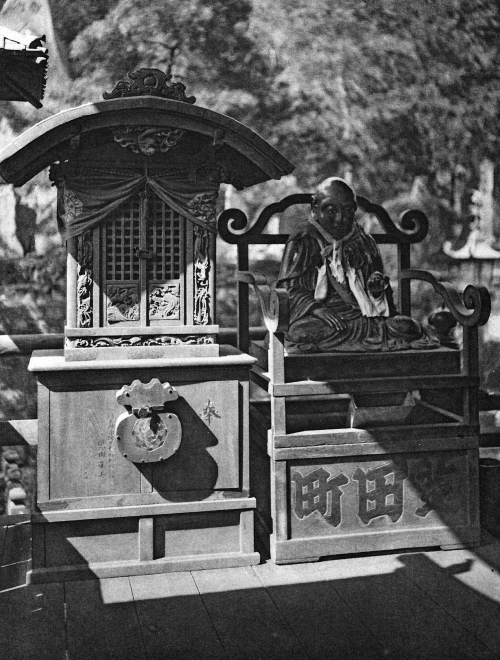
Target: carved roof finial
point(153, 82)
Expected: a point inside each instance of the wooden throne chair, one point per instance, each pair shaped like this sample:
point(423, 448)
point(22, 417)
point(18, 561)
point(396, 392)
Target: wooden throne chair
point(361, 452)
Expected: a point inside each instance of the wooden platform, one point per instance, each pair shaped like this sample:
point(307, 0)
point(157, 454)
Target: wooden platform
point(323, 366)
point(418, 605)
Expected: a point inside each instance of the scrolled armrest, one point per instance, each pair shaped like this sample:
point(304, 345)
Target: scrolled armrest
point(472, 309)
point(232, 224)
point(274, 302)
point(413, 224)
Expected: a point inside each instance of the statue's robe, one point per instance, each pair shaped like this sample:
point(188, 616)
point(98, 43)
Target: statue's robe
point(301, 262)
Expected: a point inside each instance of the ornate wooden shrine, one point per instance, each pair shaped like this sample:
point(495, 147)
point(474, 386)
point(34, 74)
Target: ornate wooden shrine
point(361, 451)
point(143, 419)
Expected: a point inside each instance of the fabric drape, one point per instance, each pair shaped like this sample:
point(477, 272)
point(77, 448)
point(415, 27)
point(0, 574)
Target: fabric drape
point(88, 198)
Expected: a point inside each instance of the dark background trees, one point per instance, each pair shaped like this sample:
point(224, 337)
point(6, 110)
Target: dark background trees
point(381, 89)
point(385, 93)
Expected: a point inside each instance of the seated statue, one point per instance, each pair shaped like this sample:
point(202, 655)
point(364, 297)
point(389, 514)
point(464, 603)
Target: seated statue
point(340, 299)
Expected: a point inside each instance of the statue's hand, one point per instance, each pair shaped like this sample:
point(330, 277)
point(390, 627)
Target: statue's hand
point(329, 317)
point(377, 284)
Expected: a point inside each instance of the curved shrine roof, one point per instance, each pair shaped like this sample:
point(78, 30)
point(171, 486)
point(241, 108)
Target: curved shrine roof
point(87, 135)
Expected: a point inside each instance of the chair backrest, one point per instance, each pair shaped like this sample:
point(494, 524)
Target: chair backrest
point(234, 228)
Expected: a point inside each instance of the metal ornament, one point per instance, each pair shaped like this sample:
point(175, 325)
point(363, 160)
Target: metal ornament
point(147, 433)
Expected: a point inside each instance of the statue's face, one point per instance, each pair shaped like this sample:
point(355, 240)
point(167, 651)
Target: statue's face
point(336, 214)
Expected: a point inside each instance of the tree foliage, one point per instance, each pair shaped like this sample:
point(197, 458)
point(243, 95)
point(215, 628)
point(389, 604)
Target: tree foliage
point(386, 89)
point(379, 90)
point(203, 42)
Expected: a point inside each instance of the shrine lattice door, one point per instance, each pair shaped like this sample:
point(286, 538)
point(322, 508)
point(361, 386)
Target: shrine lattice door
point(144, 263)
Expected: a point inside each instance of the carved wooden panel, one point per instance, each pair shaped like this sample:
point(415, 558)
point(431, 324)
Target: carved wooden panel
point(123, 302)
point(148, 140)
point(203, 206)
point(164, 301)
point(149, 81)
point(201, 259)
point(142, 340)
point(397, 492)
point(85, 280)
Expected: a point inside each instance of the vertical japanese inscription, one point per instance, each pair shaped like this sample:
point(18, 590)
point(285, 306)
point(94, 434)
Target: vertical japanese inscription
point(85, 280)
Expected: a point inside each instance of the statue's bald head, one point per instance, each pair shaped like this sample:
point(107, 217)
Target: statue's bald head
point(335, 188)
point(333, 206)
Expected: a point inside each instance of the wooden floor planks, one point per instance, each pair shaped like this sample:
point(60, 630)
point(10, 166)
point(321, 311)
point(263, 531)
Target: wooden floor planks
point(407, 622)
point(102, 622)
point(173, 618)
point(400, 606)
point(323, 622)
point(32, 623)
point(245, 617)
point(462, 587)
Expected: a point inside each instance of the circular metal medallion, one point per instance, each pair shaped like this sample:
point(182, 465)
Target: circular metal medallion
point(149, 433)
